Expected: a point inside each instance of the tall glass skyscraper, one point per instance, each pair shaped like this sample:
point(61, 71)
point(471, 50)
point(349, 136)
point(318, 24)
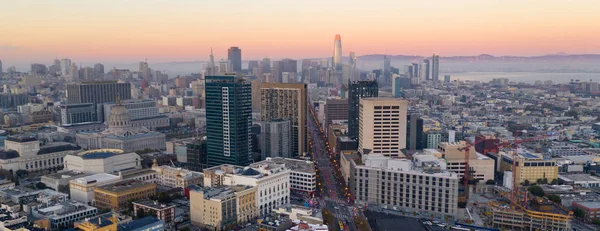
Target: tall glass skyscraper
point(228, 120)
point(357, 90)
point(337, 51)
point(234, 54)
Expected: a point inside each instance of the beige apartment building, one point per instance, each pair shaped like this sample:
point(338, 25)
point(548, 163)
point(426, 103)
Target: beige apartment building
point(382, 126)
point(287, 101)
point(219, 207)
point(482, 167)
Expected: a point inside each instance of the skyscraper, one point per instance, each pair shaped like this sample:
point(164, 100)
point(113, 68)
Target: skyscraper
point(414, 132)
point(235, 55)
point(356, 91)
point(425, 69)
point(287, 101)
point(228, 120)
point(387, 70)
point(98, 70)
point(98, 92)
point(1, 70)
point(435, 68)
point(65, 67)
point(337, 51)
point(382, 126)
point(211, 69)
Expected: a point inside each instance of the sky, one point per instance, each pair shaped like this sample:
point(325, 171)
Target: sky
point(185, 30)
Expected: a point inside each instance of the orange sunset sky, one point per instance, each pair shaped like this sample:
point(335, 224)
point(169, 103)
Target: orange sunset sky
point(184, 30)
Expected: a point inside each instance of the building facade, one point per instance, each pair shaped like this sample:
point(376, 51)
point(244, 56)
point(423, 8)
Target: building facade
point(228, 120)
point(102, 161)
point(287, 101)
point(213, 208)
point(382, 126)
point(82, 189)
point(398, 184)
point(196, 155)
point(163, 212)
point(356, 91)
point(78, 113)
point(98, 92)
point(276, 138)
point(335, 109)
point(22, 152)
point(116, 196)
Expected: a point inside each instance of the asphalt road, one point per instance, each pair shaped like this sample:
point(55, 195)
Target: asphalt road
point(333, 196)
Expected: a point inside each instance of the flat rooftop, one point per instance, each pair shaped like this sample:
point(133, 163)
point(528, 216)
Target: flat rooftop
point(66, 175)
point(124, 185)
point(293, 164)
point(153, 204)
point(590, 204)
point(578, 177)
point(96, 178)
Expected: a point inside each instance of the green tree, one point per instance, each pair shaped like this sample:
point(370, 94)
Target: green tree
point(21, 173)
point(554, 182)
point(141, 213)
point(490, 182)
point(539, 181)
point(526, 183)
point(579, 213)
point(40, 185)
point(596, 221)
point(545, 181)
point(185, 229)
point(536, 190)
point(555, 198)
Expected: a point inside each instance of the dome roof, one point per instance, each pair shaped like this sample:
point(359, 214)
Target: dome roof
point(118, 110)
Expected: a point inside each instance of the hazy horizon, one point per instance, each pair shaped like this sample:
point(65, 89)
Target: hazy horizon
point(178, 30)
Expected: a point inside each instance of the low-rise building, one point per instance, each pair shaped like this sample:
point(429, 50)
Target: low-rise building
point(296, 212)
point(116, 196)
point(146, 175)
point(63, 215)
point(579, 180)
point(163, 212)
point(60, 181)
point(590, 208)
point(100, 223)
point(530, 167)
point(145, 224)
point(482, 167)
point(10, 220)
point(102, 161)
point(271, 180)
point(26, 153)
point(303, 176)
point(176, 177)
point(213, 208)
point(82, 189)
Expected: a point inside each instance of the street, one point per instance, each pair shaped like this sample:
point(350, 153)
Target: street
point(334, 194)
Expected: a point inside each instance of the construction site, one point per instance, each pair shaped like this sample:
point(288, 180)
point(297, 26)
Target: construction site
point(512, 207)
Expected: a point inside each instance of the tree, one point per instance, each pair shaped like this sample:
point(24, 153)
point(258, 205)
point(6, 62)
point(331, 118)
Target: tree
point(539, 181)
point(526, 183)
point(554, 182)
point(21, 173)
point(545, 181)
point(141, 213)
point(596, 221)
point(555, 198)
point(40, 185)
point(536, 190)
point(579, 213)
point(185, 229)
point(490, 182)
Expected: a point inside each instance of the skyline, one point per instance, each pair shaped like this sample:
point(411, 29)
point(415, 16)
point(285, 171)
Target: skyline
point(98, 31)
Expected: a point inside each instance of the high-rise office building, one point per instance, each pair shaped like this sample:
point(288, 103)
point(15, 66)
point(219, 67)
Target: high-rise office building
point(335, 109)
point(98, 92)
point(284, 65)
point(196, 155)
point(98, 70)
point(356, 91)
point(415, 70)
point(435, 68)
point(211, 68)
point(414, 132)
point(73, 72)
point(225, 66)
point(425, 70)
point(1, 70)
point(276, 138)
point(144, 71)
point(337, 51)
point(287, 101)
point(234, 54)
point(387, 70)
point(65, 67)
point(382, 126)
point(228, 120)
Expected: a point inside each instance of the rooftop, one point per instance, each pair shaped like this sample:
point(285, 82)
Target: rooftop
point(96, 178)
point(578, 177)
point(590, 204)
point(65, 174)
point(153, 204)
point(100, 153)
point(63, 209)
point(136, 224)
point(293, 164)
point(124, 185)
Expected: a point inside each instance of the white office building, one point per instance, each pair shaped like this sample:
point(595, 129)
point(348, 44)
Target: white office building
point(102, 161)
point(272, 182)
point(64, 214)
point(423, 186)
point(303, 175)
point(82, 189)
